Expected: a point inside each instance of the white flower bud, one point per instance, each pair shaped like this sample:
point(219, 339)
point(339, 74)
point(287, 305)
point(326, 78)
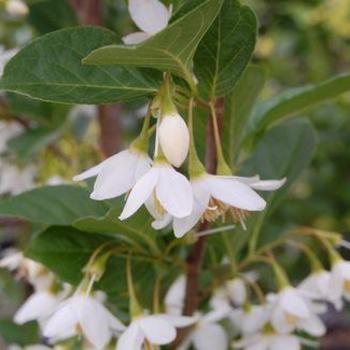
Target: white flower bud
point(17, 8)
point(174, 138)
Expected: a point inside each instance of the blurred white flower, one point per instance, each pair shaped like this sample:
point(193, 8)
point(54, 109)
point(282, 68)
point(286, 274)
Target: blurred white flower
point(208, 334)
point(14, 180)
point(290, 311)
point(83, 313)
point(154, 329)
point(151, 16)
point(16, 8)
point(86, 111)
point(216, 196)
point(56, 180)
point(170, 191)
point(269, 341)
point(118, 174)
point(174, 138)
point(5, 56)
point(250, 319)
point(340, 282)
point(8, 130)
point(174, 299)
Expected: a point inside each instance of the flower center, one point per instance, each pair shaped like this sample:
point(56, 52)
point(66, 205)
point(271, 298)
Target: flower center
point(158, 206)
point(347, 286)
point(291, 319)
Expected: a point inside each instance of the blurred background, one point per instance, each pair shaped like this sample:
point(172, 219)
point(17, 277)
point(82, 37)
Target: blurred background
point(301, 42)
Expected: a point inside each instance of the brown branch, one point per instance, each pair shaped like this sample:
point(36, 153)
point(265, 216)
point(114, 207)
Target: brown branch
point(196, 257)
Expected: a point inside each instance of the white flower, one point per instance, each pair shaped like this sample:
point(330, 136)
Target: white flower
point(83, 312)
point(174, 299)
point(174, 138)
point(155, 329)
point(84, 111)
point(151, 16)
point(251, 319)
point(169, 190)
point(207, 334)
point(117, 174)
point(7, 130)
point(340, 282)
point(216, 196)
point(231, 293)
point(14, 180)
point(39, 306)
point(290, 310)
point(269, 341)
point(16, 8)
point(12, 260)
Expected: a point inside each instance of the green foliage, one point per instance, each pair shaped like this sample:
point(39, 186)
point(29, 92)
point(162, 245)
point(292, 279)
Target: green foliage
point(226, 49)
point(53, 205)
point(160, 52)
point(50, 69)
point(21, 335)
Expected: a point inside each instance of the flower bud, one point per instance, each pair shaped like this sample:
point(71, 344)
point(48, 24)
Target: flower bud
point(174, 138)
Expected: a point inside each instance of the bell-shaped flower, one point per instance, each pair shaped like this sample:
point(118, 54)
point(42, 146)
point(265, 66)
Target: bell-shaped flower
point(250, 319)
point(151, 16)
point(117, 174)
point(157, 329)
point(290, 311)
point(340, 281)
point(218, 196)
point(208, 333)
point(269, 341)
point(174, 298)
point(169, 190)
point(174, 138)
point(85, 314)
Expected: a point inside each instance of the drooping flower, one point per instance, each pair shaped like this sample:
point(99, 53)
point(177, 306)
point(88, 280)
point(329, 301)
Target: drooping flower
point(169, 190)
point(157, 329)
point(208, 333)
point(290, 311)
point(340, 282)
point(151, 16)
point(218, 196)
point(86, 314)
point(269, 341)
point(174, 299)
point(118, 174)
point(174, 138)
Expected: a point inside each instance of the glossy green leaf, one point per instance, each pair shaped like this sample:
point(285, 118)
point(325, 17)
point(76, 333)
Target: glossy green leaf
point(50, 69)
point(53, 205)
point(50, 15)
point(238, 106)
point(226, 49)
point(294, 101)
point(170, 50)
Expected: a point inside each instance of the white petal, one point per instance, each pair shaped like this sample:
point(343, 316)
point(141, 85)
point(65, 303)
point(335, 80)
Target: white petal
point(313, 326)
point(175, 296)
point(236, 194)
point(157, 330)
point(268, 185)
point(280, 322)
point(117, 175)
point(61, 322)
point(37, 307)
point(174, 192)
point(253, 321)
point(209, 337)
point(135, 38)
point(216, 315)
point(140, 193)
point(131, 339)
point(180, 321)
point(287, 342)
point(151, 16)
point(237, 292)
point(163, 222)
point(93, 320)
point(201, 196)
point(94, 171)
point(174, 139)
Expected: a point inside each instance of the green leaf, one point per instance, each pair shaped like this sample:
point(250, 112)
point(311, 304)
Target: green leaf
point(50, 15)
point(238, 107)
point(53, 205)
point(226, 49)
point(170, 50)
point(27, 145)
point(26, 334)
point(294, 101)
point(284, 151)
point(50, 69)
